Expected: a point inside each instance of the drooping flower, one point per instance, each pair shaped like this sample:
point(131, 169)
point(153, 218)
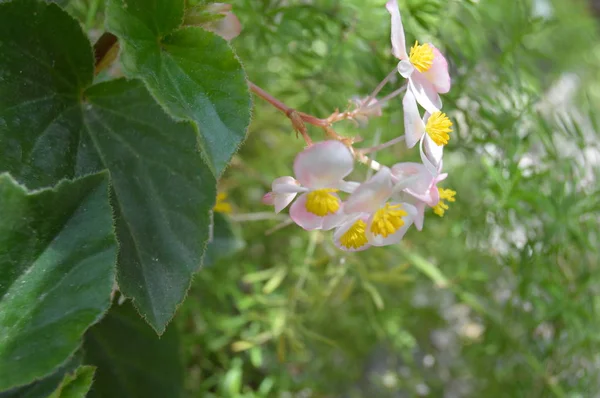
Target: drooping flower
point(433, 128)
point(425, 67)
point(372, 219)
point(320, 171)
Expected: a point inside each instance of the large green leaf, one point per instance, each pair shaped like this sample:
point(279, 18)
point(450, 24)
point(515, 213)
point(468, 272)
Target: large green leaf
point(57, 263)
point(131, 360)
point(193, 73)
point(163, 193)
point(45, 63)
point(162, 190)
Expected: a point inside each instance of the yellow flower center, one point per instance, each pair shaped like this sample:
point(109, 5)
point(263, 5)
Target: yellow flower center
point(355, 237)
point(388, 220)
point(421, 56)
point(322, 202)
point(438, 126)
point(441, 207)
point(222, 206)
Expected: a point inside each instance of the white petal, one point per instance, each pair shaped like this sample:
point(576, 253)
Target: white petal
point(347, 186)
point(434, 152)
point(287, 185)
point(370, 195)
point(414, 128)
point(405, 68)
point(378, 240)
point(425, 159)
point(323, 164)
point(282, 200)
point(424, 92)
point(398, 40)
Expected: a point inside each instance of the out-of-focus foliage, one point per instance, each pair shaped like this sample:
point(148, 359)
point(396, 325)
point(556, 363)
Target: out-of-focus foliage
point(496, 299)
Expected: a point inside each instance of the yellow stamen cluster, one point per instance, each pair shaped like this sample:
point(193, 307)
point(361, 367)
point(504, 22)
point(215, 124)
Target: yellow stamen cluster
point(222, 206)
point(438, 126)
point(355, 237)
point(421, 56)
point(441, 207)
point(322, 202)
point(388, 220)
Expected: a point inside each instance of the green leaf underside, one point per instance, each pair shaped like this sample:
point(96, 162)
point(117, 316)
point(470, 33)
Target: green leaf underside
point(191, 72)
point(131, 360)
point(224, 241)
point(161, 189)
point(44, 387)
point(76, 384)
point(57, 269)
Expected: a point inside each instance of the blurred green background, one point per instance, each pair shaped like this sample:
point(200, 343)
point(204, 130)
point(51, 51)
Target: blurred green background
point(499, 298)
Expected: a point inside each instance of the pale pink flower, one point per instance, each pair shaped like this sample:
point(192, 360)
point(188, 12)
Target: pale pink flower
point(425, 67)
point(320, 171)
point(371, 218)
point(431, 131)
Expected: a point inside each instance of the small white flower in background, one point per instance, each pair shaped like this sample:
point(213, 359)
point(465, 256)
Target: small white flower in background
point(425, 67)
point(320, 171)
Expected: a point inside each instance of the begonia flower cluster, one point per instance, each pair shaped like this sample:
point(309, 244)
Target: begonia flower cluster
point(379, 211)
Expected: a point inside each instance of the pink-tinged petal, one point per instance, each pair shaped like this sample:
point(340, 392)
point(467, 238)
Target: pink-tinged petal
point(282, 200)
point(398, 40)
point(424, 92)
point(268, 199)
point(302, 217)
point(370, 195)
point(419, 185)
point(378, 240)
point(414, 128)
point(323, 164)
point(344, 227)
point(405, 68)
point(438, 73)
point(287, 185)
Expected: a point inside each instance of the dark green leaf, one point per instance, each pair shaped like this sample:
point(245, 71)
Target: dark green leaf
point(76, 384)
point(56, 272)
point(132, 361)
point(52, 127)
point(193, 73)
point(46, 63)
point(162, 195)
